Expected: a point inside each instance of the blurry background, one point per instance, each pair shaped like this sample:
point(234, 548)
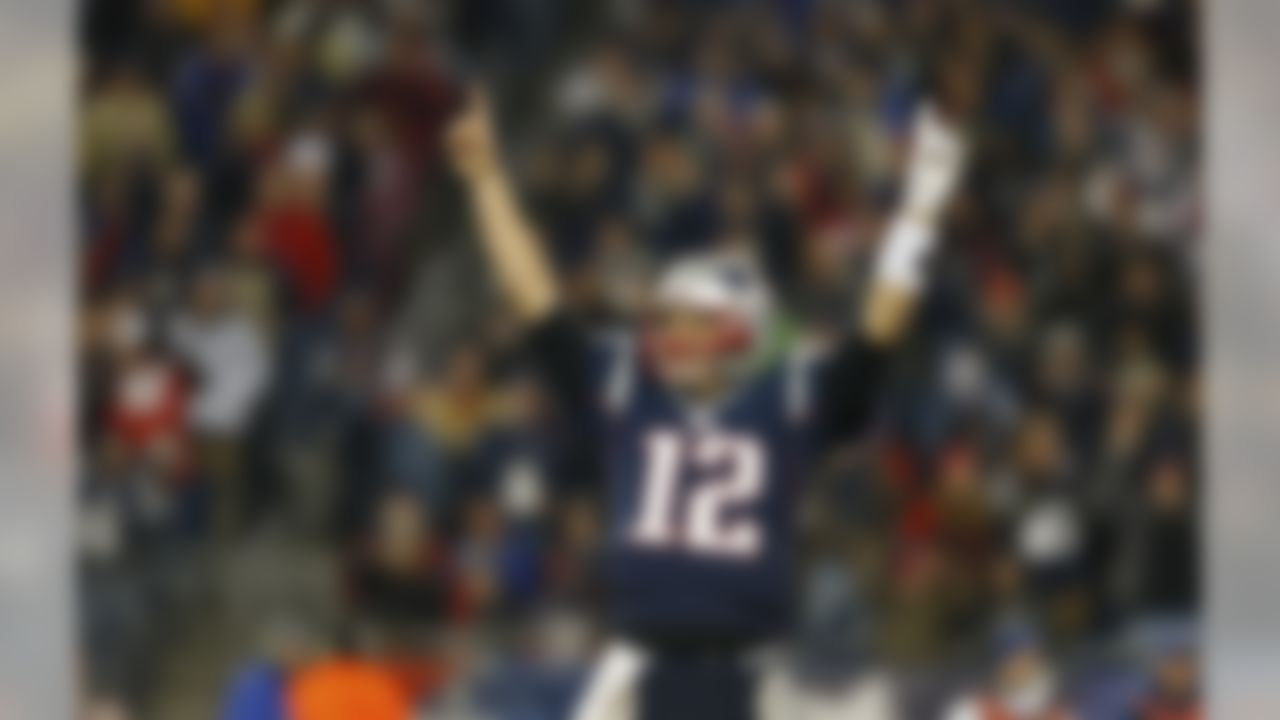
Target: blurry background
point(314, 467)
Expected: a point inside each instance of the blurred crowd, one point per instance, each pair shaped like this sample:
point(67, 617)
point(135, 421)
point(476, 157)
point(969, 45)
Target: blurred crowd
point(317, 475)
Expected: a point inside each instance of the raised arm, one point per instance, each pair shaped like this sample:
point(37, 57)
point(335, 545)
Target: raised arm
point(851, 378)
point(936, 159)
point(557, 350)
point(509, 240)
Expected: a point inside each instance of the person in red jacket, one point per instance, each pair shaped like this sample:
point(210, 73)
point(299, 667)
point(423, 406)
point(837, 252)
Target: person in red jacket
point(146, 408)
point(295, 226)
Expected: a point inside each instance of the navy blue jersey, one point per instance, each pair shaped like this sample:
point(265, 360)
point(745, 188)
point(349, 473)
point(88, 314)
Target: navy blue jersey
point(701, 499)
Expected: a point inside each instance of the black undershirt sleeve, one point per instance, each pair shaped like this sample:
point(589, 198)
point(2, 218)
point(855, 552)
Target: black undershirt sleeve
point(847, 389)
point(560, 355)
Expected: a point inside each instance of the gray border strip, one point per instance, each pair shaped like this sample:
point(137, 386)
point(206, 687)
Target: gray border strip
point(37, 667)
point(1242, 257)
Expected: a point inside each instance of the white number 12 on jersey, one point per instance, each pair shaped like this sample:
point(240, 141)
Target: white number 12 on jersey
point(727, 472)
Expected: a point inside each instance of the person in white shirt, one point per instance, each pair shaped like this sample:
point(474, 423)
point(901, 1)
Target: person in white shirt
point(226, 354)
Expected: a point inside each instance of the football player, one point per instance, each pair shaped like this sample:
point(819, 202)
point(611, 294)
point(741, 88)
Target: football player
point(704, 447)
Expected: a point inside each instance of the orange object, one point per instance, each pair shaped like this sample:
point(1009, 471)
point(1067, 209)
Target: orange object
point(347, 689)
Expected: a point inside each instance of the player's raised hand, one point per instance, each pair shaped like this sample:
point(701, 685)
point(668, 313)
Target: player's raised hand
point(508, 237)
point(935, 163)
point(934, 166)
point(471, 142)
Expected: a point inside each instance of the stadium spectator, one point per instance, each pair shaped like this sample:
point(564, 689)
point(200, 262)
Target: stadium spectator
point(229, 361)
point(1023, 684)
point(1175, 688)
point(405, 577)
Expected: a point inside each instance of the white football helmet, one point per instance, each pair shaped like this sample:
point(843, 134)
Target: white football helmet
point(728, 284)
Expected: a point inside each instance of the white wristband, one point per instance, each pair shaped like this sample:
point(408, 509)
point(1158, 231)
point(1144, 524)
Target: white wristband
point(903, 252)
